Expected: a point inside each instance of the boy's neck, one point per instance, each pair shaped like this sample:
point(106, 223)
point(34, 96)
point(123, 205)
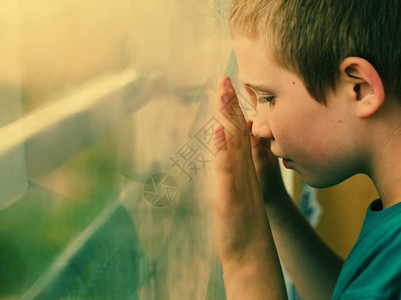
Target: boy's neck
point(386, 167)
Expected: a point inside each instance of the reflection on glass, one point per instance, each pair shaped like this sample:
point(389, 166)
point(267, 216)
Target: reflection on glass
point(105, 148)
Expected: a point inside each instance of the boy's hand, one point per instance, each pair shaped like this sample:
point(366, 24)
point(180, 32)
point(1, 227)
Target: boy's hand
point(267, 169)
point(245, 246)
point(242, 230)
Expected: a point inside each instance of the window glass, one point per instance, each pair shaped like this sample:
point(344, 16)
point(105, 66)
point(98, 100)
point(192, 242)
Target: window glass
point(105, 154)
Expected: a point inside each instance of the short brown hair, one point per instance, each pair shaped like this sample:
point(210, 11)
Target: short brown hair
point(312, 37)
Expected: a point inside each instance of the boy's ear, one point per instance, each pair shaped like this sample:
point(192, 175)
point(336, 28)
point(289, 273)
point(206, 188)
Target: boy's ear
point(366, 84)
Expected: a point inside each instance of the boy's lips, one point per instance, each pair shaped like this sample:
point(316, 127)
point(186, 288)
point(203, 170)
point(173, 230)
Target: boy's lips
point(279, 156)
point(287, 162)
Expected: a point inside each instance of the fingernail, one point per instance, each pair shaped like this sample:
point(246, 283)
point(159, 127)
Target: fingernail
point(249, 123)
point(227, 83)
point(226, 99)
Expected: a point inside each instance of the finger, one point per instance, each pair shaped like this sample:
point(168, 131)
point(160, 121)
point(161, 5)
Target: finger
point(264, 161)
point(224, 182)
point(252, 96)
point(229, 108)
point(249, 123)
point(230, 115)
point(223, 161)
point(259, 146)
point(255, 141)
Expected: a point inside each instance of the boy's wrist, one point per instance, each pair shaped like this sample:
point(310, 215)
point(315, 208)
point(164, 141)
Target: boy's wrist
point(254, 280)
point(280, 197)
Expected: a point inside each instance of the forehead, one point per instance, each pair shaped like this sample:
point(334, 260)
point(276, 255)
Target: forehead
point(257, 64)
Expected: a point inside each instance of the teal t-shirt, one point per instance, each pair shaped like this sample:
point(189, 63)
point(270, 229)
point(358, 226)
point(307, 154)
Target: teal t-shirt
point(372, 270)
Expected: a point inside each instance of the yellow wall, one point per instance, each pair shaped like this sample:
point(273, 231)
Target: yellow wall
point(344, 208)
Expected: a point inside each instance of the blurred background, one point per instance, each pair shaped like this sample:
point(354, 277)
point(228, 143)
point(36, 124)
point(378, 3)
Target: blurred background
point(105, 149)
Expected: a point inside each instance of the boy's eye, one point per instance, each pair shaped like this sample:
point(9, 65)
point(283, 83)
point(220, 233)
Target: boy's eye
point(269, 99)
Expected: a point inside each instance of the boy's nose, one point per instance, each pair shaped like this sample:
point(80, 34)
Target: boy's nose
point(261, 127)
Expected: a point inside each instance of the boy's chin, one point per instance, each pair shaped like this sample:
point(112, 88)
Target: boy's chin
point(321, 182)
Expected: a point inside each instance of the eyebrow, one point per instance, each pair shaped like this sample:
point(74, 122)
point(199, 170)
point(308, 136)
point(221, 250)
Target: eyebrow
point(261, 88)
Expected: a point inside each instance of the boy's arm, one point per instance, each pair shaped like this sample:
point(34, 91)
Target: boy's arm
point(311, 264)
point(245, 245)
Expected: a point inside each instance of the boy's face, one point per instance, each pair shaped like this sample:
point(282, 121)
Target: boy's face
point(314, 139)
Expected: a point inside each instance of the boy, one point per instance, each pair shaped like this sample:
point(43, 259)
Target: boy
point(324, 77)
